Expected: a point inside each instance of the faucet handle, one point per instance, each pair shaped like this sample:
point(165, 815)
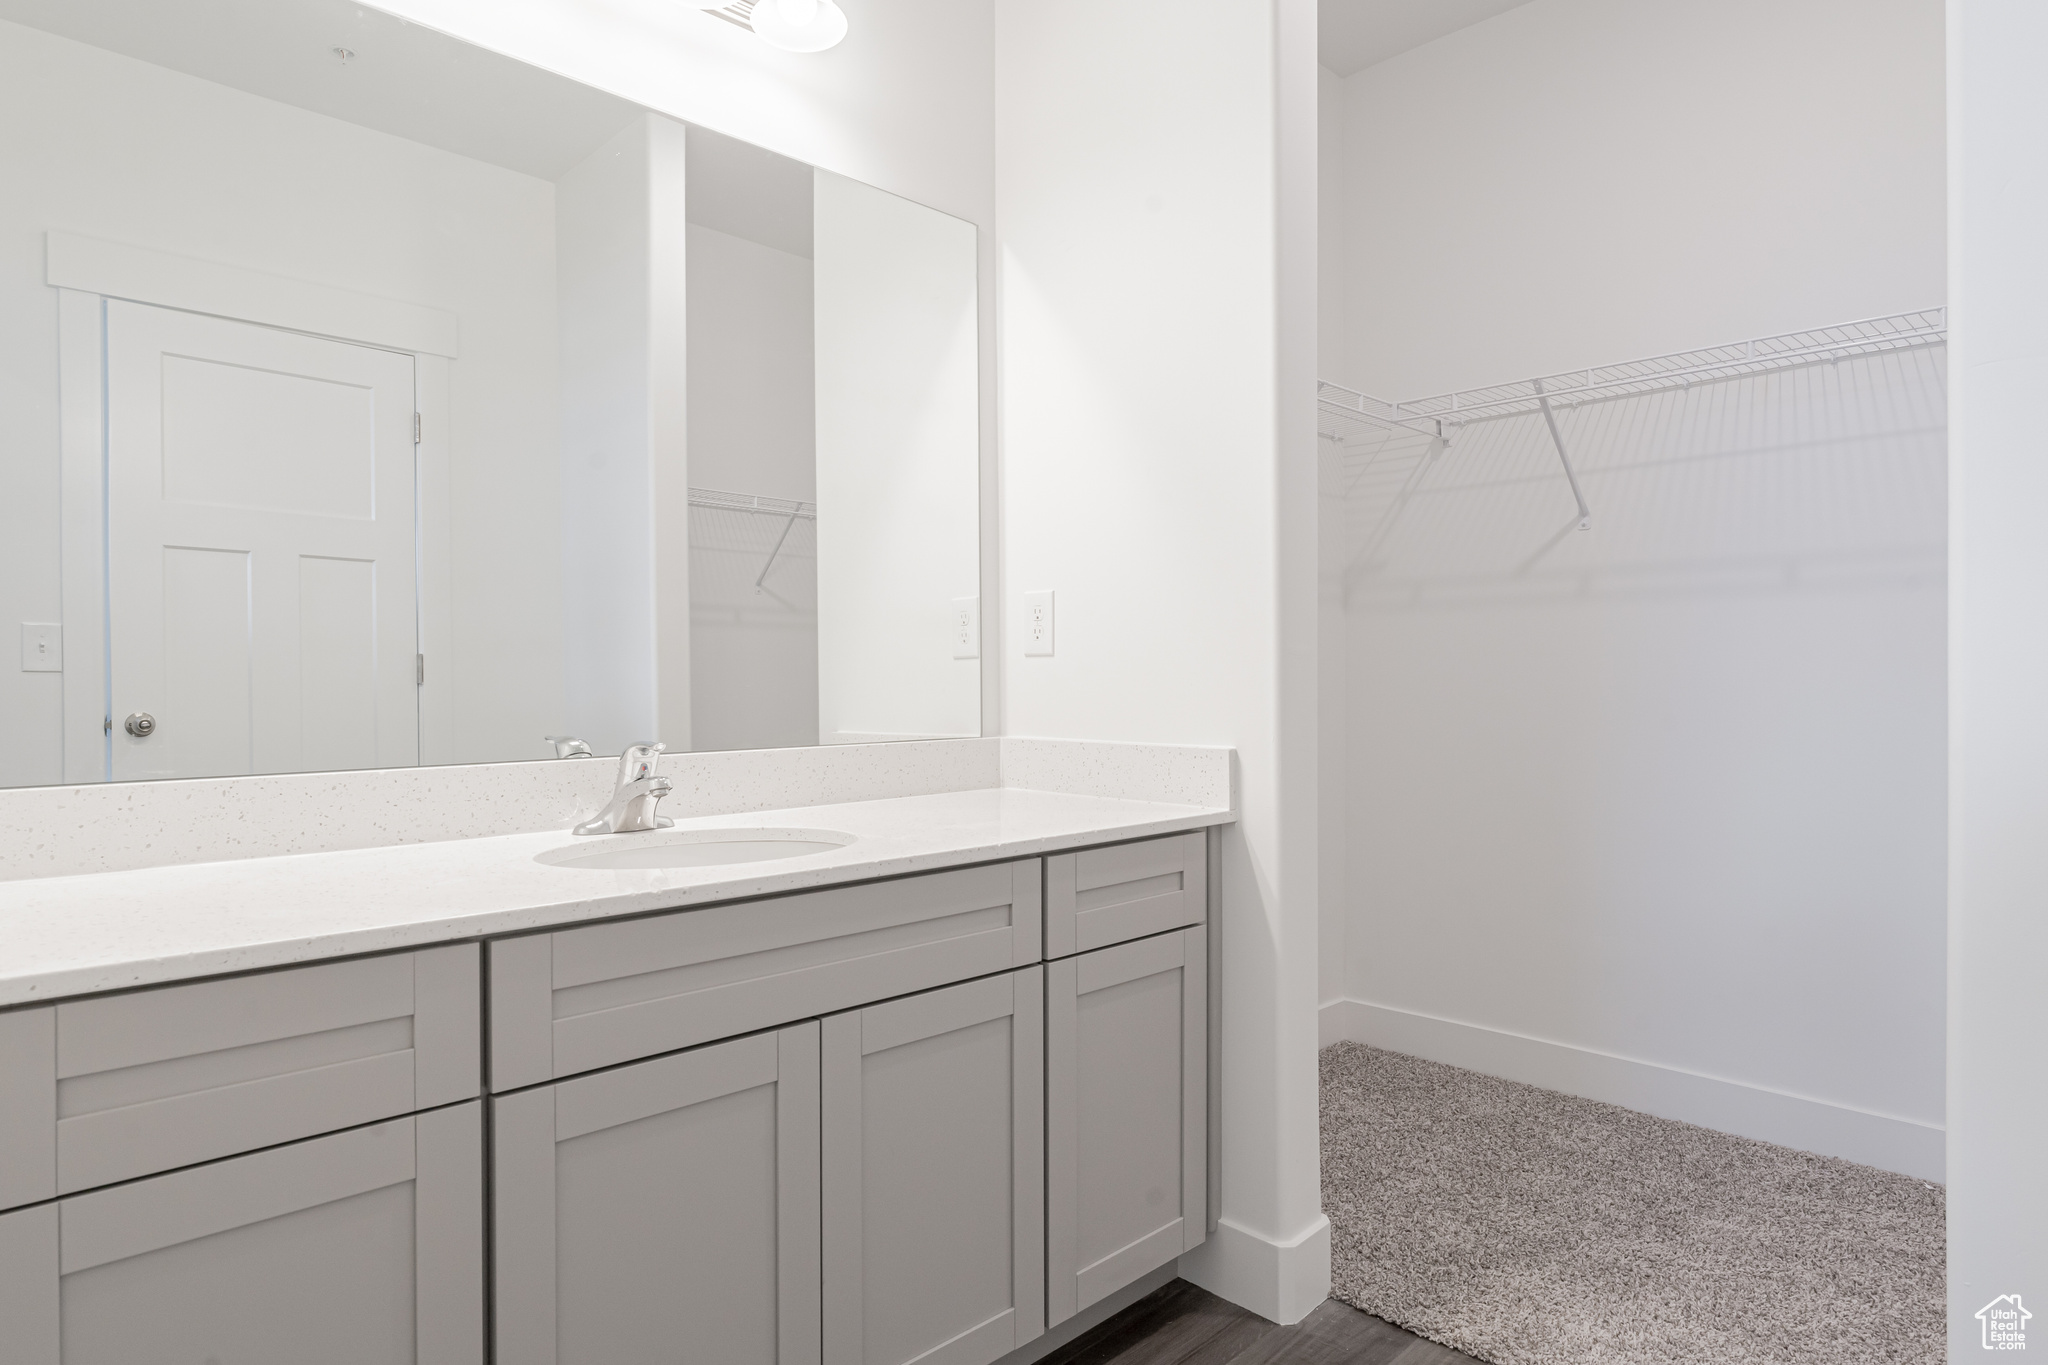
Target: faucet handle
point(638, 760)
point(568, 746)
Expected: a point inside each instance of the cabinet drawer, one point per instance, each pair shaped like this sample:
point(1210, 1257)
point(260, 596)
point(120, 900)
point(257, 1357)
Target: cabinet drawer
point(103, 1090)
point(1101, 896)
point(580, 999)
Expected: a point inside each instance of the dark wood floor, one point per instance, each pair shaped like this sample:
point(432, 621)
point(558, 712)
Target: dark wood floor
point(1183, 1325)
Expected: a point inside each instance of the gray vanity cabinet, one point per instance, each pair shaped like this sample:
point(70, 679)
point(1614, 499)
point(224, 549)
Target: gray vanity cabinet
point(933, 1196)
point(865, 1125)
point(663, 1211)
point(360, 1248)
point(1126, 1114)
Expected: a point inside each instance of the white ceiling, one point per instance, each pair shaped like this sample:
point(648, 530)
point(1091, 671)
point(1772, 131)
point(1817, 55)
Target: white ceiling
point(418, 84)
point(1356, 34)
point(744, 191)
point(405, 80)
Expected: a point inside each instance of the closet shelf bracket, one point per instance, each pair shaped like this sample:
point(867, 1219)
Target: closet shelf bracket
point(1563, 458)
point(786, 528)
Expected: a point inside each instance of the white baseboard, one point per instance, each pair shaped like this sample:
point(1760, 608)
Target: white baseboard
point(1280, 1281)
point(1882, 1140)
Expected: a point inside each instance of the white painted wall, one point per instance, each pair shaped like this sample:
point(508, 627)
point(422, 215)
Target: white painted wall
point(1578, 181)
point(104, 145)
point(753, 653)
point(621, 236)
point(894, 299)
point(752, 416)
point(1653, 812)
point(1156, 197)
point(1998, 665)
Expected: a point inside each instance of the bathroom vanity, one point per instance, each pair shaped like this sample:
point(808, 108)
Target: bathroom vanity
point(346, 509)
point(919, 1097)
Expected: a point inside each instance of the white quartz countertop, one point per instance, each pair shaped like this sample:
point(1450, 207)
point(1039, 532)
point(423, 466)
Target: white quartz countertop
point(75, 935)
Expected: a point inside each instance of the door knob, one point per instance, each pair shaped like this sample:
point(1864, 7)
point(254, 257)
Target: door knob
point(141, 725)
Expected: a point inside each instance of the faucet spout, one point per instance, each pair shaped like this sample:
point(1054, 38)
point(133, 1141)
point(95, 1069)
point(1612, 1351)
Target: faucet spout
point(638, 792)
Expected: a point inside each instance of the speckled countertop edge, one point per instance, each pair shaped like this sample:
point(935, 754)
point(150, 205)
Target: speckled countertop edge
point(98, 932)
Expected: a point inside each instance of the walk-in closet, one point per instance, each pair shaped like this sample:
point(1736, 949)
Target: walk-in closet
point(1633, 429)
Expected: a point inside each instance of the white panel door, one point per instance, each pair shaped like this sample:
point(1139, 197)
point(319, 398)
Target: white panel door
point(260, 557)
point(933, 1197)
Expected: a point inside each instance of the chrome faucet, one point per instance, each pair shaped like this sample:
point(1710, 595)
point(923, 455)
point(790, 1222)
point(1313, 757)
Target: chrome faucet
point(639, 790)
point(568, 746)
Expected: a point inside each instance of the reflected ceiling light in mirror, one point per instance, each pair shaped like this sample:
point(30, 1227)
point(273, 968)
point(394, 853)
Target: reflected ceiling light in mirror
point(792, 25)
point(799, 25)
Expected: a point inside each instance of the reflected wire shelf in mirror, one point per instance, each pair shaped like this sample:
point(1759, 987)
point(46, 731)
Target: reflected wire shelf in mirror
point(742, 536)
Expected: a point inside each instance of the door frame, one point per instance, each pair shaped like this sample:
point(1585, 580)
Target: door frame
point(86, 272)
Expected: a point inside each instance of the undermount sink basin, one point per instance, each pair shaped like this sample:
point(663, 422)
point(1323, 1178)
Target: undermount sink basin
point(694, 848)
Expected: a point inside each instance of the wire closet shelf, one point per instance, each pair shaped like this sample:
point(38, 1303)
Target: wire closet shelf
point(1343, 412)
point(749, 502)
point(791, 512)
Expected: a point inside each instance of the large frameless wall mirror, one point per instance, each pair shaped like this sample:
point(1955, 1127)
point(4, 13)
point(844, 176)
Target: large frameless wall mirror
point(368, 399)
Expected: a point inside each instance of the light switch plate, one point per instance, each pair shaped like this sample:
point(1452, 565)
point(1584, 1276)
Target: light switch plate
point(1038, 623)
point(966, 627)
point(42, 647)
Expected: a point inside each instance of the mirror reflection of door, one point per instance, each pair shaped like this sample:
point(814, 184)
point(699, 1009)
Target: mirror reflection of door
point(261, 573)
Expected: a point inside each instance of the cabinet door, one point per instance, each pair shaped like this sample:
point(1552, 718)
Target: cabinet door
point(1126, 1106)
point(665, 1211)
point(934, 1175)
point(363, 1248)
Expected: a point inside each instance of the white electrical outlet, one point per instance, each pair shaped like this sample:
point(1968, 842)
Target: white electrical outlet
point(42, 647)
point(966, 627)
point(1038, 623)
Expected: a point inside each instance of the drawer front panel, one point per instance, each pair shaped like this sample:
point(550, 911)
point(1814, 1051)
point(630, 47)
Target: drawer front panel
point(1102, 896)
point(586, 998)
point(132, 1085)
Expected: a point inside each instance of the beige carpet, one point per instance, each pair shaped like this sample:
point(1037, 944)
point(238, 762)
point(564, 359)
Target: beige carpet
point(1526, 1227)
